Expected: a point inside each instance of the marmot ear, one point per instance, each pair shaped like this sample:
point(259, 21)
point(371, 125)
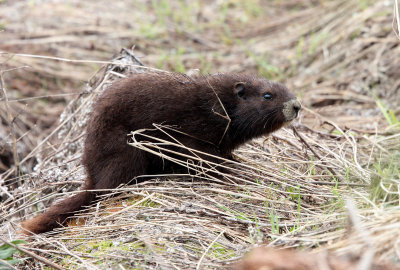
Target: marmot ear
point(240, 90)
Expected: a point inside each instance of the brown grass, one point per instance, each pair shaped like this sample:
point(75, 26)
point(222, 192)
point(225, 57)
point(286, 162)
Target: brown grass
point(313, 186)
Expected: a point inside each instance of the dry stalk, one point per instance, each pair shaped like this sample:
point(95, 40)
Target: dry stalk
point(34, 256)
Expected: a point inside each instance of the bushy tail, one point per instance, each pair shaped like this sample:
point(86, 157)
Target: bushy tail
point(56, 215)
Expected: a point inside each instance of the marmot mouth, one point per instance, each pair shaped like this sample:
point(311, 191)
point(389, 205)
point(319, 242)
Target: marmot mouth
point(291, 109)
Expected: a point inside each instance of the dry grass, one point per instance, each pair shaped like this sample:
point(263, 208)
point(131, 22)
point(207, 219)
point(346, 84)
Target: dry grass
point(329, 182)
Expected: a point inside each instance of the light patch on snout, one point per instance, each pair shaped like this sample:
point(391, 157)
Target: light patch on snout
point(291, 109)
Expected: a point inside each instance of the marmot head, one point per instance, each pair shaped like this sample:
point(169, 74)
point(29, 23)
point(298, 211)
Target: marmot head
point(263, 106)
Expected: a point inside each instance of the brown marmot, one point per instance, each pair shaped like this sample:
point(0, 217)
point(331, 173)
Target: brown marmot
point(214, 114)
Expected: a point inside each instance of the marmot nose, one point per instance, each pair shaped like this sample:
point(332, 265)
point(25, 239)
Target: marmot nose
point(296, 106)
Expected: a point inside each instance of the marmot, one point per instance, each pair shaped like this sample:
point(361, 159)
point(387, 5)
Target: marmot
point(214, 114)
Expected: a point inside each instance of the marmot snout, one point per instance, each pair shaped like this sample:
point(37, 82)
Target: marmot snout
point(291, 109)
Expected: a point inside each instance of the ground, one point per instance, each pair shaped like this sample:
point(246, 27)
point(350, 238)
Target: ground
point(330, 182)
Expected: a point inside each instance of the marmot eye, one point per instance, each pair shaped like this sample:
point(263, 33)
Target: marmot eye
point(268, 96)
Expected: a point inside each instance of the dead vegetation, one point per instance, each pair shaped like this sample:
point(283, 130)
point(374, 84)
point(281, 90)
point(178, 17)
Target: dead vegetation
point(267, 258)
point(330, 182)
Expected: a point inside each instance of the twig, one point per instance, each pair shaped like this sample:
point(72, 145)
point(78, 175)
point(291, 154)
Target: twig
point(11, 123)
point(366, 259)
point(226, 116)
point(339, 184)
point(131, 54)
point(127, 208)
point(34, 256)
point(4, 262)
point(88, 266)
point(313, 151)
point(44, 96)
point(208, 248)
point(396, 17)
point(82, 61)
